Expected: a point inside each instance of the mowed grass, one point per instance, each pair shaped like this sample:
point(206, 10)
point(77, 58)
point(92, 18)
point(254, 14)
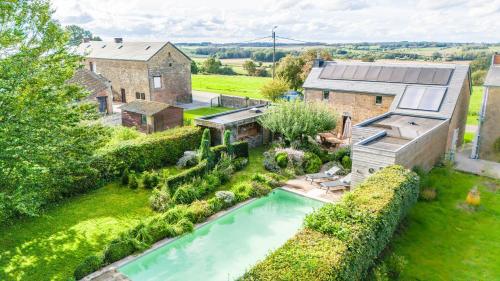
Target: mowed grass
point(204, 111)
point(49, 247)
point(475, 105)
point(237, 85)
point(442, 240)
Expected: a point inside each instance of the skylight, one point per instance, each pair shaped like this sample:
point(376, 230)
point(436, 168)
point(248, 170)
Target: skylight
point(422, 98)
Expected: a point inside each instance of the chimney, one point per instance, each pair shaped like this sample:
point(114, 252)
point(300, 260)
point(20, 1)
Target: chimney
point(86, 39)
point(118, 40)
point(496, 59)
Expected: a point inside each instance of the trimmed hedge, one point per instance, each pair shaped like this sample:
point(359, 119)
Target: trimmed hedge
point(341, 241)
point(199, 170)
point(89, 265)
point(240, 149)
point(154, 151)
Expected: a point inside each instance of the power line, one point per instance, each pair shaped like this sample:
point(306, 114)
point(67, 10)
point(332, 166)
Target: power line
point(291, 39)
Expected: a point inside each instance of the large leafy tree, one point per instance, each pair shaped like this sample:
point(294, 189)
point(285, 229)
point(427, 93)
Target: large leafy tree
point(274, 89)
point(298, 120)
point(45, 147)
point(77, 34)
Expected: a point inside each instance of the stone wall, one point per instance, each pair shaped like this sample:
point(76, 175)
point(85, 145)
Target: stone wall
point(175, 71)
point(490, 128)
point(239, 102)
point(168, 118)
point(129, 75)
point(459, 117)
point(132, 119)
point(360, 106)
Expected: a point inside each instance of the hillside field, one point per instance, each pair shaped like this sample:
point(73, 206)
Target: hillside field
point(244, 86)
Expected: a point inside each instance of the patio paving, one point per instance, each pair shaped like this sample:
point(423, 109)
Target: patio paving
point(303, 187)
point(464, 163)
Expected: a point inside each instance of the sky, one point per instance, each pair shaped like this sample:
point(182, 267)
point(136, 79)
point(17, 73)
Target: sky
point(329, 21)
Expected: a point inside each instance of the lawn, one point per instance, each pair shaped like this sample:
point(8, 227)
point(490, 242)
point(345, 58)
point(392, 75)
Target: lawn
point(50, 246)
point(199, 112)
point(443, 241)
point(237, 85)
point(475, 105)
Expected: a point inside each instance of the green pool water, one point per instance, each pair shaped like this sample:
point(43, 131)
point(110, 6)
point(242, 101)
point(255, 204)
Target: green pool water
point(224, 248)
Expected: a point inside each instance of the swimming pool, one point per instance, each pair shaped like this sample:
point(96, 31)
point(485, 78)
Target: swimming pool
point(224, 248)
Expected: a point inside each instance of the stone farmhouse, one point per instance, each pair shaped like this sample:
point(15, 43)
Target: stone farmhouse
point(410, 114)
point(98, 87)
point(153, 71)
point(488, 133)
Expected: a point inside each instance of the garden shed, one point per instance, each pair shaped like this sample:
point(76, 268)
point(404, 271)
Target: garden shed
point(243, 124)
point(151, 116)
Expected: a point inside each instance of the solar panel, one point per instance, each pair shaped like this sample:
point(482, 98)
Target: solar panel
point(389, 74)
point(422, 98)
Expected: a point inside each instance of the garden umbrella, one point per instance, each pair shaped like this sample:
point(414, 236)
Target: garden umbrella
point(347, 129)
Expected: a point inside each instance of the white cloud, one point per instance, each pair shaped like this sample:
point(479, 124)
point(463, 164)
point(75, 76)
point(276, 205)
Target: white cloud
point(312, 20)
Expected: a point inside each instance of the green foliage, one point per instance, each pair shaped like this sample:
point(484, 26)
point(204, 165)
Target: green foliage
point(274, 90)
point(242, 86)
point(150, 179)
point(212, 65)
point(250, 67)
point(290, 70)
point(194, 67)
point(240, 163)
point(185, 194)
point(133, 183)
point(118, 250)
point(298, 120)
point(346, 162)
point(227, 142)
point(241, 149)
point(159, 199)
point(428, 194)
point(340, 153)
point(341, 241)
point(281, 159)
point(77, 34)
point(46, 145)
point(188, 175)
point(312, 163)
point(89, 265)
point(204, 151)
point(496, 145)
point(125, 177)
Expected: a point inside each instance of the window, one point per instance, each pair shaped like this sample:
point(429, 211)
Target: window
point(326, 94)
point(170, 64)
point(137, 95)
point(378, 100)
point(144, 119)
point(143, 96)
point(157, 82)
point(92, 67)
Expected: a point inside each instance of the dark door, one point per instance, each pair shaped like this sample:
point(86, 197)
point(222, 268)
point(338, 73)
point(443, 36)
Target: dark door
point(103, 104)
point(124, 97)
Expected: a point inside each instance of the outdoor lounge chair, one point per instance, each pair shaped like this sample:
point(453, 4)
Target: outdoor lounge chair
point(339, 184)
point(324, 175)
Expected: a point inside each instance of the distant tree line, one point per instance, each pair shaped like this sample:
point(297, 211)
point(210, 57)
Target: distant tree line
point(240, 53)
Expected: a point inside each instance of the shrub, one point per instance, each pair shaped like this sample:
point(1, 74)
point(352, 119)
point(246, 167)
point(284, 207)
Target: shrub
point(158, 229)
point(259, 189)
point(224, 169)
point(428, 194)
point(132, 182)
point(118, 250)
point(150, 180)
point(270, 162)
point(282, 159)
point(312, 163)
point(125, 177)
point(188, 175)
point(185, 194)
point(159, 199)
point(242, 191)
point(189, 159)
point(216, 204)
point(395, 265)
point(241, 149)
point(227, 142)
point(340, 153)
point(175, 214)
point(198, 211)
point(226, 196)
point(218, 150)
point(183, 226)
point(341, 241)
point(240, 163)
point(88, 265)
point(346, 162)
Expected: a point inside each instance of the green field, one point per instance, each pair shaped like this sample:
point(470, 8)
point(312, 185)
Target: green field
point(244, 86)
point(199, 112)
point(442, 240)
point(49, 247)
point(475, 105)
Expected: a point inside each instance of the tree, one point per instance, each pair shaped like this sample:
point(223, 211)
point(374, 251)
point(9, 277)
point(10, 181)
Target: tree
point(77, 34)
point(309, 56)
point(290, 70)
point(211, 65)
point(194, 67)
point(297, 120)
point(250, 67)
point(45, 148)
point(227, 142)
point(274, 89)
point(204, 152)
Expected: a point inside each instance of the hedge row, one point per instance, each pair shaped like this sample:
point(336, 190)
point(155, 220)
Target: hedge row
point(154, 151)
point(176, 221)
point(341, 241)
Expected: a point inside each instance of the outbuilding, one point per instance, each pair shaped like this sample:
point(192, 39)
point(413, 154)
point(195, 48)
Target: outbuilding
point(151, 116)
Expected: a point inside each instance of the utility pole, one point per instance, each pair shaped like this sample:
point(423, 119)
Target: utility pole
point(274, 50)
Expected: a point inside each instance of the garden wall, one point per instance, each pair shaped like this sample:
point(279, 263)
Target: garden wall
point(341, 241)
point(239, 102)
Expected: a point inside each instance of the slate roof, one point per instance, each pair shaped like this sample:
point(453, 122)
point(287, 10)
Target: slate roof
point(145, 107)
point(92, 82)
point(394, 82)
point(493, 76)
point(138, 51)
